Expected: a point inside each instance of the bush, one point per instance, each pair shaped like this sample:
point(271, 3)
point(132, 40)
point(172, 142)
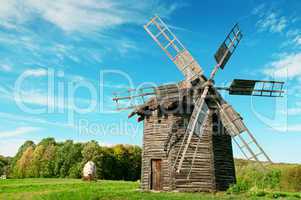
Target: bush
point(271, 180)
point(298, 196)
point(260, 194)
point(75, 171)
point(239, 187)
point(254, 191)
point(258, 178)
point(291, 179)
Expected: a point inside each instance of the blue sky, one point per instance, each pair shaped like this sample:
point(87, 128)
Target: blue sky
point(61, 57)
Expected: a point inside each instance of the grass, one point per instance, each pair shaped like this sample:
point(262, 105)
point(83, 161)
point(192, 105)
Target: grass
point(60, 189)
point(274, 177)
point(277, 181)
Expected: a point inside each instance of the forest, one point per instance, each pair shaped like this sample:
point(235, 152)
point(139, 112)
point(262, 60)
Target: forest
point(51, 159)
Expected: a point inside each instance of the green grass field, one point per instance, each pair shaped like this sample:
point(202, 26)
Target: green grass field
point(72, 189)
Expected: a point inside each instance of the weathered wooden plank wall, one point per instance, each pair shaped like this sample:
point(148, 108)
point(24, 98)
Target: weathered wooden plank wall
point(213, 168)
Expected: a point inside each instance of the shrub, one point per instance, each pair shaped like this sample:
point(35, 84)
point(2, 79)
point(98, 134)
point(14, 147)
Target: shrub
point(271, 180)
point(298, 196)
point(260, 193)
point(291, 179)
point(239, 187)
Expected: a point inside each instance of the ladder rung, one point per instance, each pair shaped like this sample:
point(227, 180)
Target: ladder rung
point(151, 21)
point(245, 145)
point(178, 55)
point(256, 155)
point(170, 43)
point(186, 66)
point(160, 33)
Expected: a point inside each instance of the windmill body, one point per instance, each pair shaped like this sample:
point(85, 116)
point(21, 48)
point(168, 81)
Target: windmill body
point(208, 165)
point(188, 126)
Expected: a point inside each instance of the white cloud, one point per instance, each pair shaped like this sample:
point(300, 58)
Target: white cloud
point(28, 119)
point(84, 16)
point(36, 72)
point(294, 128)
point(18, 131)
point(258, 10)
point(287, 67)
point(294, 111)
point(57, 103)
point(297, 40)
point(96, 21)
point(6, 68)
point(6, 8)
point(272, 22)
point(294, 38)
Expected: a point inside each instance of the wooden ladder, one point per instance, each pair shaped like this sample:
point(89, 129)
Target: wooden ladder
point(200, 115)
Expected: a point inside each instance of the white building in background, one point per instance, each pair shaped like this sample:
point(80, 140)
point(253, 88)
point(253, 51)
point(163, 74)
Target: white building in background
point(3, 177)
point(89, 171)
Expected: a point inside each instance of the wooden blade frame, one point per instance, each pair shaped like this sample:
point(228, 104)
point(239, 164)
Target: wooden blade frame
point(132, 98)
point(228, 46)
point(173, 48)
point(255, 88)
point(234, 126)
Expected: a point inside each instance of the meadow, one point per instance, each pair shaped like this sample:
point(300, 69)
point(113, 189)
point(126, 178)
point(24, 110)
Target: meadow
point(76, 189)
point(51, 170)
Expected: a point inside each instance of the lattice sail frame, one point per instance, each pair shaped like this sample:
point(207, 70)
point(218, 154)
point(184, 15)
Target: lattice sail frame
point(132, 98)
point(256, 88)
point(228, 46)
point(262, 88)
point(241, 135)
point(173, 48)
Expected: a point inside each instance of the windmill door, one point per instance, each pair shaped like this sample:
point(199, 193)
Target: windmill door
point(156, 180)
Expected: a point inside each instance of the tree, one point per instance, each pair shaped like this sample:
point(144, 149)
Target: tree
point(106, 164)
point(14, 172)
point(43, 156)
point(37, 160)
point(24, 164)
point(68, 154)
point(122, 157)
point(47, 166)
point(135, 153)
point(91, 151)
point(50, 159)
point(4, 165)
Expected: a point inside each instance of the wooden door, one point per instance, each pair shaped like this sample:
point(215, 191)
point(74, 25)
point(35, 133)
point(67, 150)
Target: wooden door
point(156, 182)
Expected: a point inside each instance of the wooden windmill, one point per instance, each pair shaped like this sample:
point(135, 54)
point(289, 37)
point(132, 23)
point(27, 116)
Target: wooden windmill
point(188, 126)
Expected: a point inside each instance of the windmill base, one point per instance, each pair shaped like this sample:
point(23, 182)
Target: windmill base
point(212, 169)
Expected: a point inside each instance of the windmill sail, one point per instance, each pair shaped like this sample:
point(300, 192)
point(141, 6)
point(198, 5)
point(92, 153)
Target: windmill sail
point(132, 98)
point(231, 120)
point(174, 49)
point(256, 88)
point(241, 135)
point(228, 46)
